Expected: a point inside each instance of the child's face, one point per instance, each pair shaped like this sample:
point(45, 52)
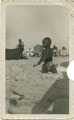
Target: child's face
point(45, 44)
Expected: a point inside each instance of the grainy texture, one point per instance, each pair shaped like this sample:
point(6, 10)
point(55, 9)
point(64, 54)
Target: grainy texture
point(22, 80)
point(70, 2)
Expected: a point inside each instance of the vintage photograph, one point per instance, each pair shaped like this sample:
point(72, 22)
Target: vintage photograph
point(36, 59)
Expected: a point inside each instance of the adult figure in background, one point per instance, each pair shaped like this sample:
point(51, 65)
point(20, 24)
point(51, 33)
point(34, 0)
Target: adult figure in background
point(21, 46)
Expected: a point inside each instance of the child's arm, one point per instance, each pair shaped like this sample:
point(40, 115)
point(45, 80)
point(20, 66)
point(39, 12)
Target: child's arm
point(39, 62)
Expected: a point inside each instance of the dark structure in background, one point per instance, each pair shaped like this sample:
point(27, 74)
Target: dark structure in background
point(16, 53)
point(12, 54)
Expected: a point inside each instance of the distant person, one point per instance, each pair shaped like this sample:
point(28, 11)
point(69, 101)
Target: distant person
point(59, 52)
point(63, 51)
point(54, 51)
point(47, 57)
point(21, 46)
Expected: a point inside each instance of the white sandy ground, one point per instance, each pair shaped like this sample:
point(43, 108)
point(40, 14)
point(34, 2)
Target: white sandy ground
point(22, 80)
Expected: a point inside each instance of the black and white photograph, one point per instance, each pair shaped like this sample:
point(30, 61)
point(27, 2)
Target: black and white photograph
point(36, 59)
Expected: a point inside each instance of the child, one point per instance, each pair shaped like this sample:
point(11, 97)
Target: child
point(47, 57)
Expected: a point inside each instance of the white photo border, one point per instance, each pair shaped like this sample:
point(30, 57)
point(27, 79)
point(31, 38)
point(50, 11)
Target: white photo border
point(64, 3)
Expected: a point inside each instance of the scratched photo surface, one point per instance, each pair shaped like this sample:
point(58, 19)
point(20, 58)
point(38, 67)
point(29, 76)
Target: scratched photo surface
point(37, 56)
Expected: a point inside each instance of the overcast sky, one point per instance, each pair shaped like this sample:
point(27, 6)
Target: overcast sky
point(33, 23)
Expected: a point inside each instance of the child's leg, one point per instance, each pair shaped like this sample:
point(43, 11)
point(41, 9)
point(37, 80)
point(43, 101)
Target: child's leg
point(44, 68)
point(53, 69)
